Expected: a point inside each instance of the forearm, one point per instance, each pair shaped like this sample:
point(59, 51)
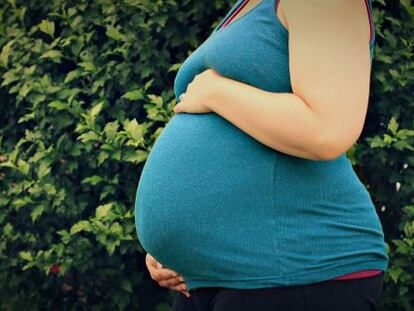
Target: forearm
point(281, 121)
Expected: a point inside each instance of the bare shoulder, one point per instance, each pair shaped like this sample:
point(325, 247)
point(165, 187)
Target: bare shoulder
point(350, 14)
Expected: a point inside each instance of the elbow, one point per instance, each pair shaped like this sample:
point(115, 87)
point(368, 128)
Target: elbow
point(329, 148)
point(334, 141)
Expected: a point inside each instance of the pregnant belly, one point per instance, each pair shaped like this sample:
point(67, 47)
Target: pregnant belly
point(203, 178)
point(215, 204)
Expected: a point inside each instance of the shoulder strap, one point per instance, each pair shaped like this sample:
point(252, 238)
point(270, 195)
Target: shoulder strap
point(371, 21)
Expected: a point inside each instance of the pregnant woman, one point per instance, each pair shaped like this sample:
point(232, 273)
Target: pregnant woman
point(247, 196)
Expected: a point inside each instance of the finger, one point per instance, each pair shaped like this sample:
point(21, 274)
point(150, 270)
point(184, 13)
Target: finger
point(172, 281)
point(177, 108)
point(180, 287)
point(154, 262)
point(185, 293)
point(165, 273)
point(152, 270)
point(151, 260)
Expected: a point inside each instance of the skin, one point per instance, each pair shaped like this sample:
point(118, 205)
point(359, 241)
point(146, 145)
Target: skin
point(330, 71)
point(165, 277)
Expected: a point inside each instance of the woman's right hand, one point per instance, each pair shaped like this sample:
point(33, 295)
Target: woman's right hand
point(165, 277)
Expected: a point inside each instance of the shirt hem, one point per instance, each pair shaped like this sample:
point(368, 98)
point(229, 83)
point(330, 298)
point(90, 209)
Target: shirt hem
point(290, 280)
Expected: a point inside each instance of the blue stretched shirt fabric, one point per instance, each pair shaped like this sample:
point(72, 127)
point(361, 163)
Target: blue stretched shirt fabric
point(223, 209)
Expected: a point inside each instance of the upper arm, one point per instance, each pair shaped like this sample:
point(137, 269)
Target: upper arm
point(330, 65)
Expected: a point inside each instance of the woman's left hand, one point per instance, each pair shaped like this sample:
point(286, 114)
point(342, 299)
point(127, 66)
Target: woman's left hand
point(199, 93)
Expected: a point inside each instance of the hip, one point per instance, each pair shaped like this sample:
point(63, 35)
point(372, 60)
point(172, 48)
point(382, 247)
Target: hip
point(356, 294)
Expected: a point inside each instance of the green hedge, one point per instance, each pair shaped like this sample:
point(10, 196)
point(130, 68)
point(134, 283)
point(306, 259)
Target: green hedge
point(385, 152)
point(87, 87)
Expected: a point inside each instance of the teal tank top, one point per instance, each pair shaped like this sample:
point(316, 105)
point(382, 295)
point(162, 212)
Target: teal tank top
point(223, 209)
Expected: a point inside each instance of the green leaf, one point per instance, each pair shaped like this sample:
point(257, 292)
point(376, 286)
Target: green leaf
point(136, 156)
point(394, 273)
point(402, 144)
point(58, 105)
point(27, 117)
point(50, 189)
point(102, 157)
point(375, 142)
point(94, 112)
point(26, 256)
point(409, 230)
point(157, 100)
point(51, 54)
point(9, 77)
point(103, 210)
point(88, 66)
point(22, 201)
point(114, 33)
point(110, 247)
point(72, 75)
point(174, 67)
point(394, 73)
point(25, 89)
point(82, 225)
point(126, 285)
point(88, 136)
point(23, 166)
point(116, 155)
point(29, 265)
point(133, 95)
point(5, 52)
point(134, 130)
point(93, 180)
point(8, 229)
point(393, 125)
point(44, 169)
point(37, 212)
point(388, 139)
point(116, 229)
point(148, 84)
point(47, 27)
point(110, 129)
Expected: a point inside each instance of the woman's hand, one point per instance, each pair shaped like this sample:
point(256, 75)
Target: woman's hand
point(165, 277)
point(199, 93)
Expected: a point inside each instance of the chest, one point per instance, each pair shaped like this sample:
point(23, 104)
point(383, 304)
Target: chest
point(252, 48)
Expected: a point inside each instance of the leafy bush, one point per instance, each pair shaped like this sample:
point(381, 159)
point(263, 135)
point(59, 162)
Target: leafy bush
point(86, 89)
point(385, 151)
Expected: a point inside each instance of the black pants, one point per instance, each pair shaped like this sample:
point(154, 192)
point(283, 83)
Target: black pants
point(333, 295)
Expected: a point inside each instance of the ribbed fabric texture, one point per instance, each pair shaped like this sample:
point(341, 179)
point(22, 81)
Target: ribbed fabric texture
point(222, 209)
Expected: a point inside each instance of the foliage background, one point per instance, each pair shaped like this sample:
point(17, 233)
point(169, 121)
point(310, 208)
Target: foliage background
point(87, 87)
